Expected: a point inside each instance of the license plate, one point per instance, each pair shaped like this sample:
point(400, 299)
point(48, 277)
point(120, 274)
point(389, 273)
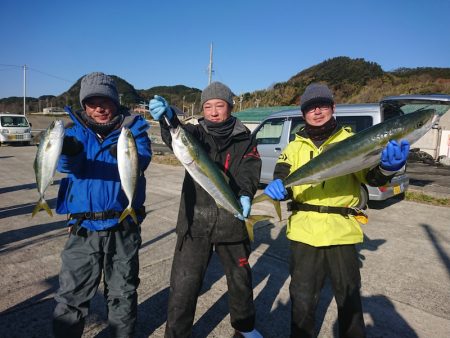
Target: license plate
point(11, 137)
point(397, 189)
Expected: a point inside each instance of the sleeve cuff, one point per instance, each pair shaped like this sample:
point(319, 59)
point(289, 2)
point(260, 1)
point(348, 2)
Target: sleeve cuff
point(389, 172)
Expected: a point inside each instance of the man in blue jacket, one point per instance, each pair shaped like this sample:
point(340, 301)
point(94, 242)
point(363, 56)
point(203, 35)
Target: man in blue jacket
point(91, 195)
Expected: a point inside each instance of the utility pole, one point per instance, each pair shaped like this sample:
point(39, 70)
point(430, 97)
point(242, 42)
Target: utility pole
point(24, 89)
point(210, 66)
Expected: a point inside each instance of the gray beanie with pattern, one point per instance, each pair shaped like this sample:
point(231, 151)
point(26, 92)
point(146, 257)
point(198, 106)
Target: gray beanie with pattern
point(315, 93)
point(98, 84)
point(217, 90)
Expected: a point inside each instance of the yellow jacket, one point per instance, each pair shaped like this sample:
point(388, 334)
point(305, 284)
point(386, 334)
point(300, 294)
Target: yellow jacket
point(323, 229)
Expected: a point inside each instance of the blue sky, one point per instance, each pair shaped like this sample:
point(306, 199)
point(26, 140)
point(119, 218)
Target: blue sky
point(256, 42)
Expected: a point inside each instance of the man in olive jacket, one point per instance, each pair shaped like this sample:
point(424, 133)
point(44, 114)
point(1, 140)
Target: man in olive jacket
point(202, 226)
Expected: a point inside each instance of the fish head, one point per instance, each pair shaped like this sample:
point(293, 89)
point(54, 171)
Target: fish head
point(182, 145)
point(416, 125)
point(126, 141)
point(54, 134)
point(126, 133)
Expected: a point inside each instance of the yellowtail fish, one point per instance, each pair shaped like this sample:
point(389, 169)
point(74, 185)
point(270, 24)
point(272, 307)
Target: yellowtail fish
point(360, 151)
point(128, 164)
point(208, 175)
point(46, 160)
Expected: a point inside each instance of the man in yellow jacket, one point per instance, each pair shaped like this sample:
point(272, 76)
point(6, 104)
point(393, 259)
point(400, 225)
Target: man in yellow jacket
point(322, 228)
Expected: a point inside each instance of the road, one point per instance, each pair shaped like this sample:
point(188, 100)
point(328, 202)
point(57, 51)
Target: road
point(405, 265)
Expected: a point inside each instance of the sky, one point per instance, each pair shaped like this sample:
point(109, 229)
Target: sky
point(256, 43)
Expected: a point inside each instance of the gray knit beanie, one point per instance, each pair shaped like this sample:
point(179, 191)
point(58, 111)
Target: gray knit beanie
point(217, 90)
point(316, 93)
point(98, 84)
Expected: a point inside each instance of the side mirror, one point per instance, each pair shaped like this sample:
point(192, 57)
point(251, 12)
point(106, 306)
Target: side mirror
point(30, 124)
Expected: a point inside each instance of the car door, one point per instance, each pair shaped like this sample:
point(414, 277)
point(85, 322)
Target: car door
point(271, 140)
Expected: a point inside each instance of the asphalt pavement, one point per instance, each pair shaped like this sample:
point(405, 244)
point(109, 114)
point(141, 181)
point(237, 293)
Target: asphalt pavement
point(405, 265)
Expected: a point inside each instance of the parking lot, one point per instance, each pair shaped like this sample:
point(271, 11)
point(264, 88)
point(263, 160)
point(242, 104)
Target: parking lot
point(405, 265)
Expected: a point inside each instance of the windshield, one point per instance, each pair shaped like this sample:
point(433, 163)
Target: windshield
point(13, 121)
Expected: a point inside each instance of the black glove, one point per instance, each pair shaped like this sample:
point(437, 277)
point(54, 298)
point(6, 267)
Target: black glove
point(71, 146)
point(113, 150)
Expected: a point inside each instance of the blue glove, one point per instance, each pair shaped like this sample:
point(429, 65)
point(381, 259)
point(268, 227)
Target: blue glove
point(158, 107)
point(246, 206)
point(276, 190)
point(394, 156)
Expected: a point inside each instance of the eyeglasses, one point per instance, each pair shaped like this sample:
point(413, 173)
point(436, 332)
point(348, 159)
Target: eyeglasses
point(102, 102)
point(322, 106)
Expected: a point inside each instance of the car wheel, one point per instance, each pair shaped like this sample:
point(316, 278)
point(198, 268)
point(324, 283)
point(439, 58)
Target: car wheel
point(363, 197)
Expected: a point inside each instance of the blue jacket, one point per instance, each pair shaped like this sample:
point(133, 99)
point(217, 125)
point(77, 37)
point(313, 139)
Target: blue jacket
point(93, 182)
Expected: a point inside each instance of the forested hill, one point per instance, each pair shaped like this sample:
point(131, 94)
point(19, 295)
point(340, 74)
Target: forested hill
point(352, 81)
point(355, 81)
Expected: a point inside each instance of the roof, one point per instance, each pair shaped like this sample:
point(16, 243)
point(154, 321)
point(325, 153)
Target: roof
point(419, 97)
point(260, 113)
point(10, 114)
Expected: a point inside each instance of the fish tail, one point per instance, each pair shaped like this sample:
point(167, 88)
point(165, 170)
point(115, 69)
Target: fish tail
point(128, 211)
point(264, 197)
point(41, 204)
point(260, 198)
point(250, 222)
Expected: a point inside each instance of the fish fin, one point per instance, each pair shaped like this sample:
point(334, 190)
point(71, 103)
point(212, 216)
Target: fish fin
point(41, 204)
point(250, 222)
point(128, 211)
point(260, 198)
point(264, 197)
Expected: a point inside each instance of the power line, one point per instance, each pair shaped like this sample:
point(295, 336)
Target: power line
point(36, 70)
point(10, 67)
point(54, 76)
point(1, 64)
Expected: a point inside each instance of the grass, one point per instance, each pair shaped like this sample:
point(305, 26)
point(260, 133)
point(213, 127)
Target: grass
point(426, 199)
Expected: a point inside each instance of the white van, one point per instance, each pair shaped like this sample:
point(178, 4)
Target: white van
point(277, 130)
point(14, 128)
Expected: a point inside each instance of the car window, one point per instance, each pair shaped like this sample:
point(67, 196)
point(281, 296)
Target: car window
point(393, 108)
point(296, 124)
point(13, 121)
point(270, 131)
point(357, 123)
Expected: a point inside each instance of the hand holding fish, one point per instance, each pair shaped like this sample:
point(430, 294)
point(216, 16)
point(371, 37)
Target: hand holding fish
point(159, 107)
point(246, 206)
point(394, 155)
point(276, 190)
point(71, 146)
